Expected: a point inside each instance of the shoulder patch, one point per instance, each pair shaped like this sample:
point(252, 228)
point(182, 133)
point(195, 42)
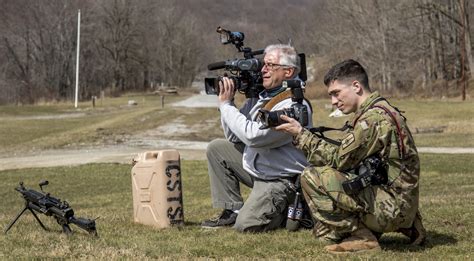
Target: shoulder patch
point(364, 125)
point(348, 140)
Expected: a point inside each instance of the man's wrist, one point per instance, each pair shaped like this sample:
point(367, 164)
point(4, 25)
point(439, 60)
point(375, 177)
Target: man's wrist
point(225, 102)
point(297, 137)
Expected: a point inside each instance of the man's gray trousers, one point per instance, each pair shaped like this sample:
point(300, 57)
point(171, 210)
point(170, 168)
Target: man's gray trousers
point(265, 208)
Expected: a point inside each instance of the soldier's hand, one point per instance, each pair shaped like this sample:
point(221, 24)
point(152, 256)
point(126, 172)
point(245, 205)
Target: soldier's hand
point(292, 126)
point(227, 89)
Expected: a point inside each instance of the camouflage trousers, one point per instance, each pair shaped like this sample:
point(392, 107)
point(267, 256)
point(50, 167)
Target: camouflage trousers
point(340, 214)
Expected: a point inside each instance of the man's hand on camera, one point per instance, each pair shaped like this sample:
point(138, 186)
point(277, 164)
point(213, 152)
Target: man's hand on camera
point(227, 90)
point(292, 126)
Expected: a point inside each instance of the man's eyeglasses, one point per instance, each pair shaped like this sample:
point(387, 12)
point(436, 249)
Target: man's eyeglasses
point(274, 66)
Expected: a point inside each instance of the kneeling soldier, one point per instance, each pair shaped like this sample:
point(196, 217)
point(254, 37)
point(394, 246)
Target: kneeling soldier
point(367, 183)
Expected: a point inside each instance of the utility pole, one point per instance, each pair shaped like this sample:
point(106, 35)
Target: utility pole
point(77, 55)
point(463, 47)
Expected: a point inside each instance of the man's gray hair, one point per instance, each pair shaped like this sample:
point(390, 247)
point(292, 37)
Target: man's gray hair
point(287, 56)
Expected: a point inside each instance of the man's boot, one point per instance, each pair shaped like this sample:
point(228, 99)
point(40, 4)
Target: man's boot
point(360, 240)
point(325, 235)
point(416, 233)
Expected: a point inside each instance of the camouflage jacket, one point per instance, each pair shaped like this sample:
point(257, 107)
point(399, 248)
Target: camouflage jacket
point(373, 131)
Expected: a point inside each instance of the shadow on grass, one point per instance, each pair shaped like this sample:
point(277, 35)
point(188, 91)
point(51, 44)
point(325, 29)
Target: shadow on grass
point(399, 243)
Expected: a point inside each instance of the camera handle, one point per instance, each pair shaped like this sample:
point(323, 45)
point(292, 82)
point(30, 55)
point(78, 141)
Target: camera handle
point(298, 95)
point(296, 87)
point(237, 39)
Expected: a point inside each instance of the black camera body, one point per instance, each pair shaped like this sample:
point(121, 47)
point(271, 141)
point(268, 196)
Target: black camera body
point(297, 111)
point(248, 78)
point(371, 172)
point(246, 73)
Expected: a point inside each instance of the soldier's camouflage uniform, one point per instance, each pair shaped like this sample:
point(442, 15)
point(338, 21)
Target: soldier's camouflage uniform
point(381, 208)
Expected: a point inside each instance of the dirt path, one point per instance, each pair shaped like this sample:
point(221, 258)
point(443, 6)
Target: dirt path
point(147, 141)
point(119, 154)
point(125, 154)
point(446, 150)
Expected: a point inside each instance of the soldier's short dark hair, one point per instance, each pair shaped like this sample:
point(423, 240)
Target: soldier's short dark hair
point(347, 70)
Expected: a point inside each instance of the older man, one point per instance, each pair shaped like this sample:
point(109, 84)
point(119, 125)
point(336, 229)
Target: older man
point(263, 159)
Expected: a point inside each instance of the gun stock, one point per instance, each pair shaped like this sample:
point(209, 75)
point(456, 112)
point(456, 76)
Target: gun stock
point(86, 224)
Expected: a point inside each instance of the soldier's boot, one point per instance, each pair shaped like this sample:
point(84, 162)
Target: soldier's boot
point(360, 240)
point(417, 232)
point(326, 235)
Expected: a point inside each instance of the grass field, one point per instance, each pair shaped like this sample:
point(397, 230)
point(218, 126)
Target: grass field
point(52, 126)
point(104, 190)
point(454, 118)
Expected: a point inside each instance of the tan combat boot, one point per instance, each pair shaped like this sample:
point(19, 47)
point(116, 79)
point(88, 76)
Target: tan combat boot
point(360, 240)
point(416, 233)
point(325, 235)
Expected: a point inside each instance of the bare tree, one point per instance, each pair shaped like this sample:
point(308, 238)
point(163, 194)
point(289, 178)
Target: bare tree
point(119, 39)
point(39, 45)
point(449, 41)
point(134, 45)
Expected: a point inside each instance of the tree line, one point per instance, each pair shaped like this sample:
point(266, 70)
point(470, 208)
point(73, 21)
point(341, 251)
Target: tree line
point(408, 46)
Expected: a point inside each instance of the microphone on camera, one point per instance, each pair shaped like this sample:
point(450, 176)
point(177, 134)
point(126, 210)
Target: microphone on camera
point(216, 66)
point(258, 52)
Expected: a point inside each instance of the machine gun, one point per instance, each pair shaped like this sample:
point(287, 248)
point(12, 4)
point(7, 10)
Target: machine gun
point(43, 203)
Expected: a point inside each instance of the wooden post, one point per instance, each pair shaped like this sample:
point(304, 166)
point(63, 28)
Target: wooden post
point(162, 101)
point(102, 97)
point(93, 101)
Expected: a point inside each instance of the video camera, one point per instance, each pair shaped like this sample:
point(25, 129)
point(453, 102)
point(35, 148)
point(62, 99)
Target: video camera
point(246, 72)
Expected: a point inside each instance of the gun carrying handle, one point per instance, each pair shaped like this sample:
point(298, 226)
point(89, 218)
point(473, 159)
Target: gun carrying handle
point(43, 183)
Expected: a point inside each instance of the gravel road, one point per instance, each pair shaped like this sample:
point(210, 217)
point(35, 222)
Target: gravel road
point(189, 150)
